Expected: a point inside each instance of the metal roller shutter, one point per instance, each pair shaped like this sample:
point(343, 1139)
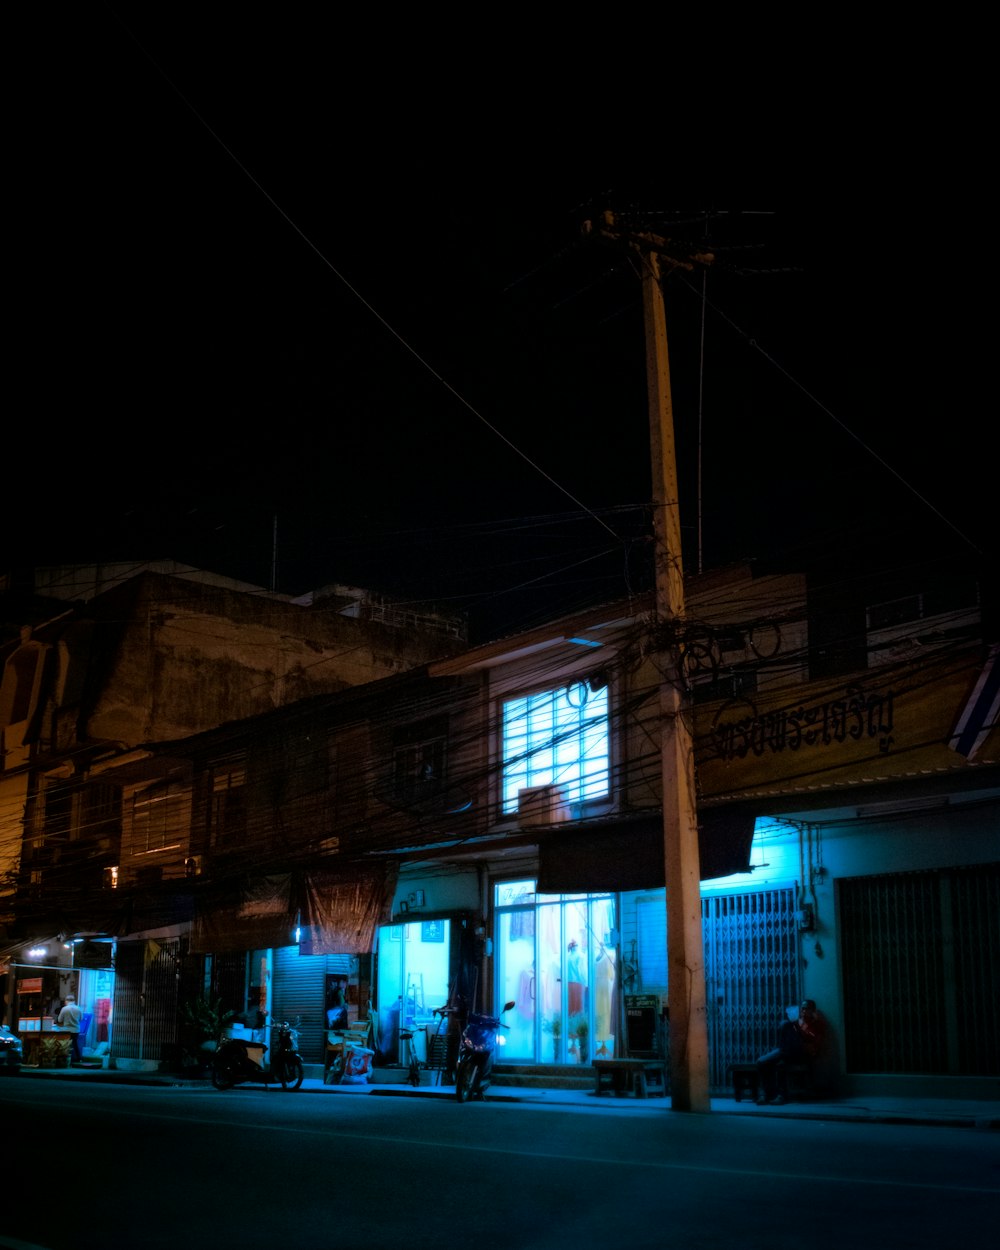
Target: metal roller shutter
point(299, 997)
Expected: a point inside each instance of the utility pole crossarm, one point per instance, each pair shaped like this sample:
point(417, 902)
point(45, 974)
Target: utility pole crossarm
point(676, 255)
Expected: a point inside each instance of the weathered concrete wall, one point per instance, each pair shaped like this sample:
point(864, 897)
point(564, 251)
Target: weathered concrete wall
point(183, 658)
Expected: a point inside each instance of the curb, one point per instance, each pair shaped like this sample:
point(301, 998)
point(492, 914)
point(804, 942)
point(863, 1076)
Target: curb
point(979, 1120)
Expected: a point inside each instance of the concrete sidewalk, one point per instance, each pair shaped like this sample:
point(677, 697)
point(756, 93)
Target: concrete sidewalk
point(942, 1112)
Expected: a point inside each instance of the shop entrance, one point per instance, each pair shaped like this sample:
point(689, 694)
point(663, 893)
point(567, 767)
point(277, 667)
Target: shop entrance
point(40, 991)
point(413, 964)
point(556, 959)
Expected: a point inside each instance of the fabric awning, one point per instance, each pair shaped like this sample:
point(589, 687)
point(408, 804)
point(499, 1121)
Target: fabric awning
point(257, 916)
point(335, 911)
point(340, 911)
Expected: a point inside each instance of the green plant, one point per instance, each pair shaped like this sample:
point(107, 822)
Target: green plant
point(579, 1027)
point(202, 1022)
point(553, 1025)
point(206, 1017)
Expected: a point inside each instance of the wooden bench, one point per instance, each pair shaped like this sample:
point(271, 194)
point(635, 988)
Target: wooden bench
point(746, 1080)
point(624, 1076)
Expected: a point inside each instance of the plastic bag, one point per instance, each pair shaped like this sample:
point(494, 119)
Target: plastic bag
point(357, 1066)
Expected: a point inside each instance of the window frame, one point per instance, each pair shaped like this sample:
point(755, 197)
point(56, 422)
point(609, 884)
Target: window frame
point(541, 756)
point(228, 814)
point(175, 797)
point(420, 758)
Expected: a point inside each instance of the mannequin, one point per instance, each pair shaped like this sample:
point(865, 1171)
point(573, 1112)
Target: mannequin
point(604, 973)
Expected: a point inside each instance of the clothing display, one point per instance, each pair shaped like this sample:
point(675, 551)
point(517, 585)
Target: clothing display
point(525, 996)
point(604, 974)
point(574, 982)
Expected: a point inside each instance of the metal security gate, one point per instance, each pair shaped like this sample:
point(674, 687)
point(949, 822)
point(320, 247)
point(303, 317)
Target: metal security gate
point(920, 954)
point(145, 1004)
point(752, 966)
point(229, 979)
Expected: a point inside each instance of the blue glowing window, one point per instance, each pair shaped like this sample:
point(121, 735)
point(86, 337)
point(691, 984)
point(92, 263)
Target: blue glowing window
point(557, 737)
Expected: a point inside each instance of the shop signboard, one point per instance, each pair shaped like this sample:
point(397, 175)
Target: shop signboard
point(93, 955)
point(641, 1034)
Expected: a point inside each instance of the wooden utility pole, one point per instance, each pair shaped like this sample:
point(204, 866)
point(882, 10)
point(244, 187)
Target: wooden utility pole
point(685, 952)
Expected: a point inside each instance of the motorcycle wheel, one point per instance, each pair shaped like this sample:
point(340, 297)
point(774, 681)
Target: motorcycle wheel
point(291, 1074)
point(223, 1076)
point(466, 1080)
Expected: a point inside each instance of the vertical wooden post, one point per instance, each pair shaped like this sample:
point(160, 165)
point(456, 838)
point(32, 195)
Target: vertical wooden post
point(685, 954)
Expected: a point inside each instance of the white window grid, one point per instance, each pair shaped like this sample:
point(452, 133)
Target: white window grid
point(557, 737)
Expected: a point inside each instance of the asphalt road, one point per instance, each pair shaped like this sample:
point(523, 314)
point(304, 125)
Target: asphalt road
point(126, 1168)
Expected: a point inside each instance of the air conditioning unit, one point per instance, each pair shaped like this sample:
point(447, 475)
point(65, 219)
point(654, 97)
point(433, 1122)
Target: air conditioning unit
point(192, 866)
point(538, 806)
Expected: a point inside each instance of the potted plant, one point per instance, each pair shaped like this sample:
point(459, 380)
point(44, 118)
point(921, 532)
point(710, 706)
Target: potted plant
point(202, 1022)
point(579, 1028)
point(553, 1025)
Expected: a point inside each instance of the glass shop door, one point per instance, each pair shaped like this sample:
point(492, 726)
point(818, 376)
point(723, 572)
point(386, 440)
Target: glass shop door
point(413, 962)
point(557, 961)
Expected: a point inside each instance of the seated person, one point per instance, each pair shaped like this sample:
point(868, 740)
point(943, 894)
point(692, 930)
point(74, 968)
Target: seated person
point(801, 1040)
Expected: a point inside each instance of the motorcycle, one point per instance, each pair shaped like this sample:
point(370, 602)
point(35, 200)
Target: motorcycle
point(476, 1050)
point(237, 1060)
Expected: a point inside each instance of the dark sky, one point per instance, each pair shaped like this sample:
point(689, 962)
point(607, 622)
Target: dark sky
point(262, 301)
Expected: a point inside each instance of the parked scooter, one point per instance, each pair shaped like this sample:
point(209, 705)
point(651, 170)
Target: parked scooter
point(237, 1060)
point(476, 1051)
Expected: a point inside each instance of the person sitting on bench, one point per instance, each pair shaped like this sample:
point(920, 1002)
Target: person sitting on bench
point(799, 1041)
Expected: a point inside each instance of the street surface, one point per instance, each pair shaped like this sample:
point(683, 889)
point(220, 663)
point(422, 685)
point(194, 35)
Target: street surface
point(129, 1168)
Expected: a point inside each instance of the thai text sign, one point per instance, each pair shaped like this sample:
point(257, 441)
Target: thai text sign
point(871, 728)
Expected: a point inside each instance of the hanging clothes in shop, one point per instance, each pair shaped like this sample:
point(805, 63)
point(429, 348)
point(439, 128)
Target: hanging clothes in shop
point(604, 974)
point(574, 980)
point(525, 997)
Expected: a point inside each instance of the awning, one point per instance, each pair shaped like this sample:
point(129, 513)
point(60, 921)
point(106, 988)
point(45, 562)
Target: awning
point(629, 856)
point(334, 911)
point(257, 916)
point(340, 911)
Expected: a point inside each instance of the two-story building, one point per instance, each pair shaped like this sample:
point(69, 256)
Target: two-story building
point(126, 655)
point(487, 826)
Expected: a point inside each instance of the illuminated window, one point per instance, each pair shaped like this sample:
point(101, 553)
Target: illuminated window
point(557, 737)
point(157, 819)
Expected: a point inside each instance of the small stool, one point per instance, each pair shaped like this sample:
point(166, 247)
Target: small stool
point(654, 1077)
point(746, 1079)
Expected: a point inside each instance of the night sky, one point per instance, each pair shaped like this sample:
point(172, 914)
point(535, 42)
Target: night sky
point(259, 301)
